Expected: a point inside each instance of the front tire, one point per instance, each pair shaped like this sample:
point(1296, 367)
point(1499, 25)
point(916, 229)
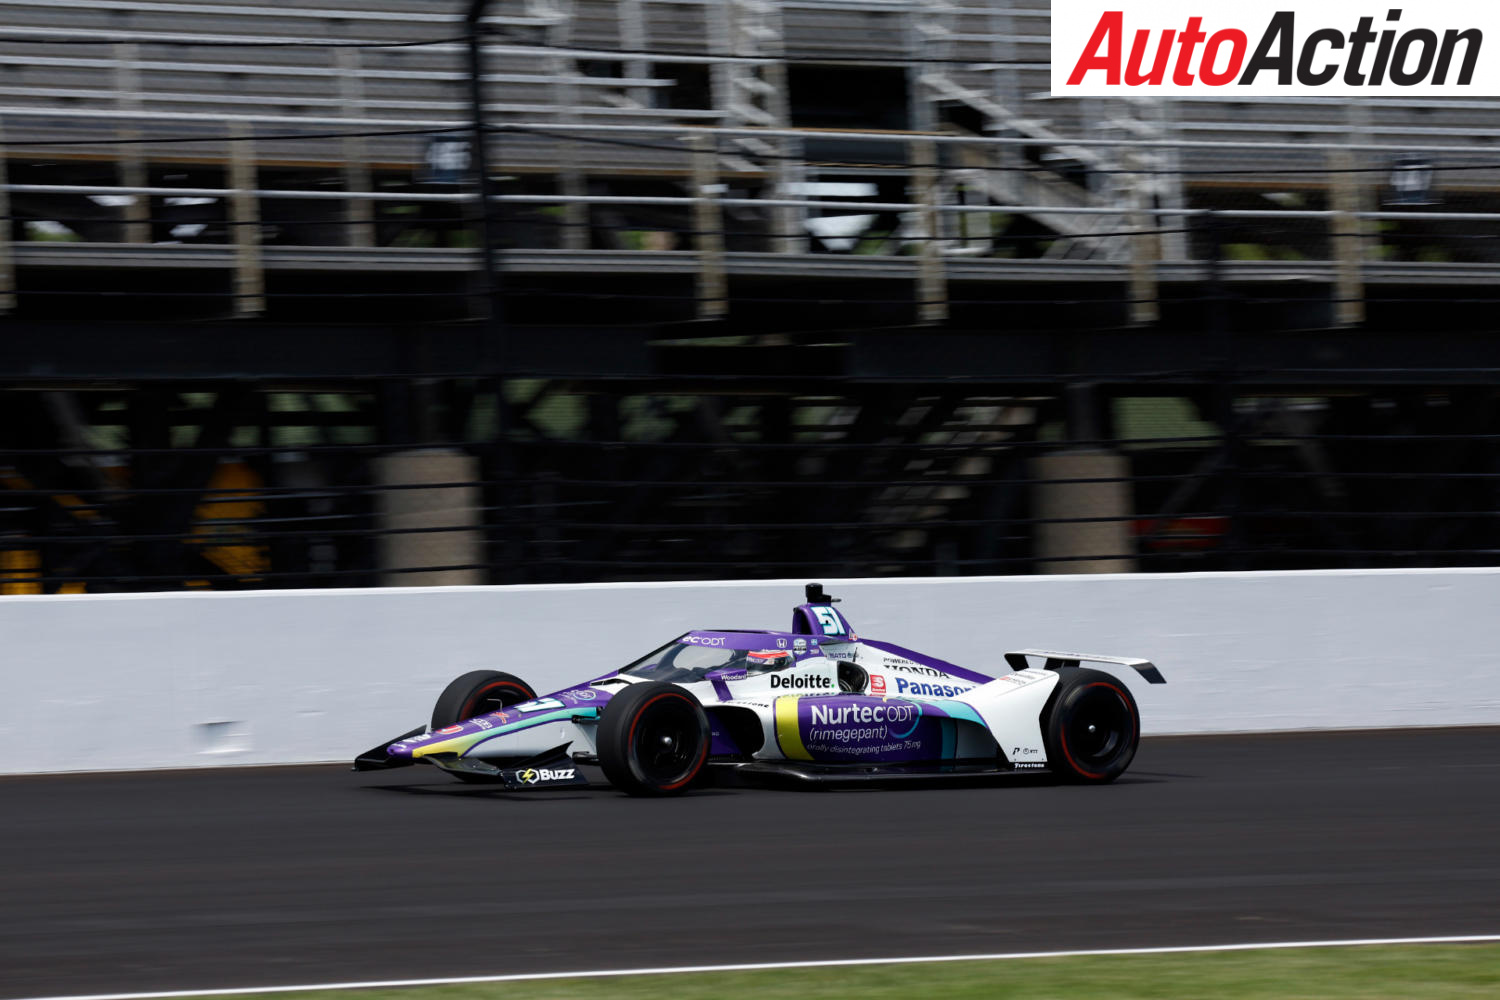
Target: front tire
point(1093, 727)
point(478, 692)
point(653, 739)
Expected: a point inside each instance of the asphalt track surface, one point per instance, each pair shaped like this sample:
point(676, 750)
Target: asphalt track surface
point(203, 879)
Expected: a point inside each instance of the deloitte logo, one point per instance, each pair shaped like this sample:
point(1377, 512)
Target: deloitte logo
point(801, 682)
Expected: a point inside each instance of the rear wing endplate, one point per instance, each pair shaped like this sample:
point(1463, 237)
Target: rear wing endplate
point(1055, 659)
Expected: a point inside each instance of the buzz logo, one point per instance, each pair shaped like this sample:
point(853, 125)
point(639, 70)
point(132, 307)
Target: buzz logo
point(535, 775)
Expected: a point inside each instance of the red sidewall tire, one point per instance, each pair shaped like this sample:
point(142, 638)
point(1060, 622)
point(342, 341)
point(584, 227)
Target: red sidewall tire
point(653, 739)
point(474, 692)
point(1092, 727)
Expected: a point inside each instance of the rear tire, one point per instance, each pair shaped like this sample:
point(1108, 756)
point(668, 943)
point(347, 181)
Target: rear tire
point(653, 739)
point(478, 692)
point(1092, 727)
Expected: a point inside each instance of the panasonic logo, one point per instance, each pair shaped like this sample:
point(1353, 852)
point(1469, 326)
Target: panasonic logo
point(904, 686)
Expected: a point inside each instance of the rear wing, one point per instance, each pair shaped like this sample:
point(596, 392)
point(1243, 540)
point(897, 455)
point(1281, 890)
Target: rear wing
point(1146, 668)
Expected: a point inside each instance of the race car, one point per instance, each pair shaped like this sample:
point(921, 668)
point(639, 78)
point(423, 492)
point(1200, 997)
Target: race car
point(816, 704)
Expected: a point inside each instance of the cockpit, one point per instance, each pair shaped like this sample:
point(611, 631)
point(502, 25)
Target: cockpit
point(691, 658)
point(707, 656)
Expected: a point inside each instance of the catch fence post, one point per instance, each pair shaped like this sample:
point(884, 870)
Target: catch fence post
point(7, 249)
point(1144, 248)
point(359, 212)
point(932, 282)
point(1348, 240)
point(489, 284)
point(244, 212)
point(132, 162)
point(708, 230)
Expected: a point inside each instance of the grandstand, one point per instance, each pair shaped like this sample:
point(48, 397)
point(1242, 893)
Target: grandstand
point(845, 260)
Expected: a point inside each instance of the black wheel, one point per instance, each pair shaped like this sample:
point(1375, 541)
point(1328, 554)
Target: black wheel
point(478, 692)
point(1092, 727)
point(653, 739)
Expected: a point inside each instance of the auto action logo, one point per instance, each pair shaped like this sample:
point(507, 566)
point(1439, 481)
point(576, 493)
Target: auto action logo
point(1235, 51)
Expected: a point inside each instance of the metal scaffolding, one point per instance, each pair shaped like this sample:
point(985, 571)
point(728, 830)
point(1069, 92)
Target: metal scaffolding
point(848, 137)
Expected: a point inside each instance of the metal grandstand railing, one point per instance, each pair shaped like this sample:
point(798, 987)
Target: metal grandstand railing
point(264, 130)
point(725, 142)
point(942, 213)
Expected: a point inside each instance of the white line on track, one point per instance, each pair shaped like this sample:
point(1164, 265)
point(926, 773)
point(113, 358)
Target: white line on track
point(759, 966)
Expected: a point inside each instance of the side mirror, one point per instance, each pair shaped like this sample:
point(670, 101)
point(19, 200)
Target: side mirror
point(815, 595)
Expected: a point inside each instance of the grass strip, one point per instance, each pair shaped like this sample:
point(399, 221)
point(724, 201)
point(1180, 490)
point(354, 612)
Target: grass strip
point(1405, 972)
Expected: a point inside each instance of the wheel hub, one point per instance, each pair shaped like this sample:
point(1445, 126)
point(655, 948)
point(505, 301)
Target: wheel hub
point(665, 742)
point(1100, 729)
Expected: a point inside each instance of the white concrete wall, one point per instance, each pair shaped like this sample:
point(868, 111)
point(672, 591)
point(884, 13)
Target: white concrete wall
point(138, 681)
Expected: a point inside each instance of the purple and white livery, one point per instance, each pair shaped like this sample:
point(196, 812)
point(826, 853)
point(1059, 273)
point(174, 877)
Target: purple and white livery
point(816, 703)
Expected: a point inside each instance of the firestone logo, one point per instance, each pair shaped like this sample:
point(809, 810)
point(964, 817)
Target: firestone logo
point(1249, 49)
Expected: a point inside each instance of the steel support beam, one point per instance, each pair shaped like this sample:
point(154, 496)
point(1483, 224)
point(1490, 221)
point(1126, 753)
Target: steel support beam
point(1348, 240)
point(7, 255)
point(490, 283)
point(359, 212)
point(708, 226)
point(132, 163)
point(249, 269)
point(932, 282)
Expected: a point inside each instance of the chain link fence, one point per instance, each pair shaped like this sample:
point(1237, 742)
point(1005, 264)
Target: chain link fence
point(611, 485)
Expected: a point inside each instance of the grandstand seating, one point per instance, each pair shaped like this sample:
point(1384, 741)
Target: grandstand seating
point(599, 94)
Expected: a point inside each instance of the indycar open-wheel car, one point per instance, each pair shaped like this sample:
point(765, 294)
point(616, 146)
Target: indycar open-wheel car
point(816, 703)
